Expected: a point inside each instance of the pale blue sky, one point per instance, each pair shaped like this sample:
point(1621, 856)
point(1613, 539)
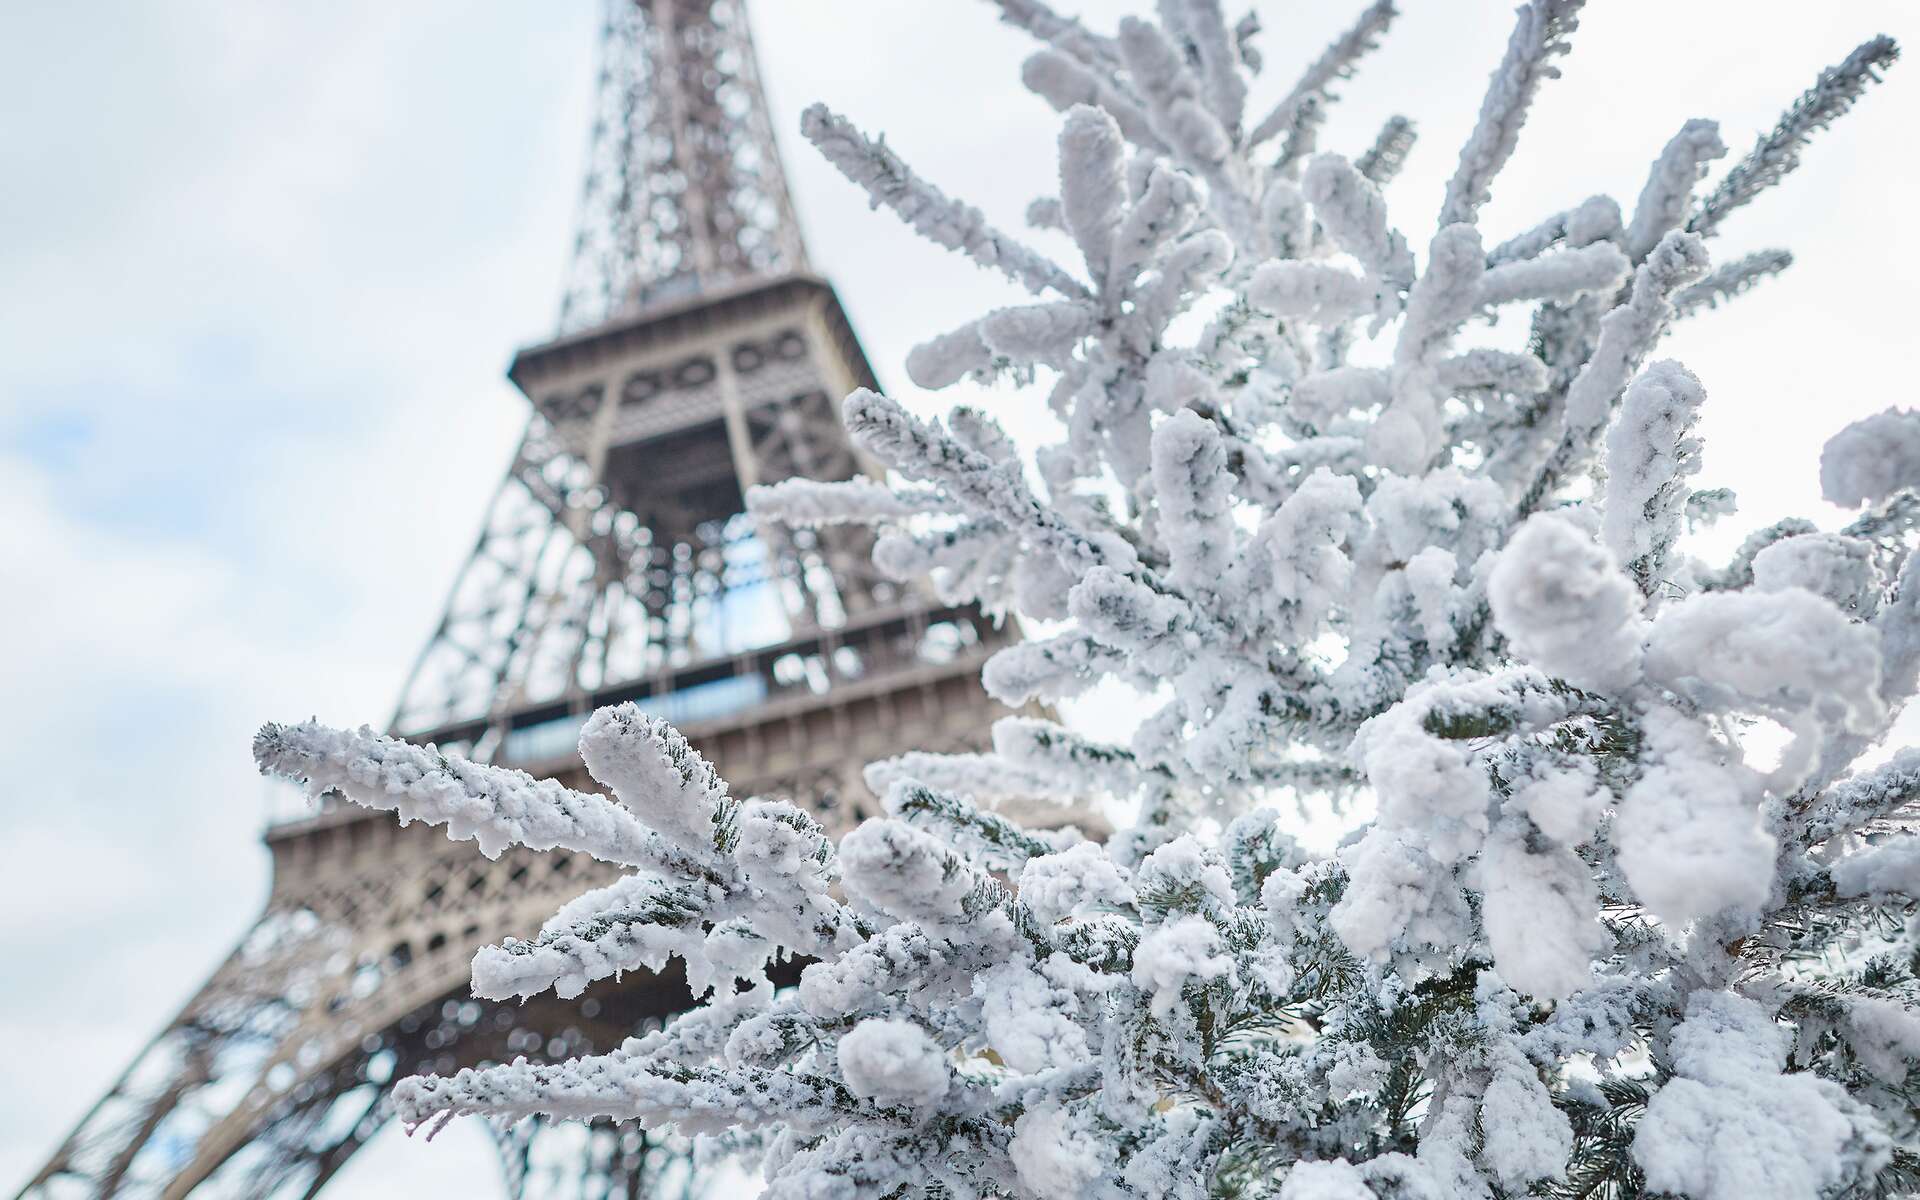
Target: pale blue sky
point(264, 265)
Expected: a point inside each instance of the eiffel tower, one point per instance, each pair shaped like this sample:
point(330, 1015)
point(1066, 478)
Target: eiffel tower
point(697, 355)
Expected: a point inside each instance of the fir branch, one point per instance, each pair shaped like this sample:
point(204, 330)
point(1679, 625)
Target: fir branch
point(1777, 153)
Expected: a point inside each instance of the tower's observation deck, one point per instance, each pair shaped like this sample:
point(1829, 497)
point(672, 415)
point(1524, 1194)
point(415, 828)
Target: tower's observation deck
point(620, 565)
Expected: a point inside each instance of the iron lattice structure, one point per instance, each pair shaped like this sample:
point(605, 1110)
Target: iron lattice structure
point(696, 357)
point(684, 191)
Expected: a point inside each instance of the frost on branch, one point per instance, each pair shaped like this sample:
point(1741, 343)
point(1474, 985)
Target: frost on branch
point(1663, 202)
point(1539, 36)
point(1650, 452)
point(491, 806)
point(1338, 62)
point(934, 216)
point(1729, 280)
point(1622, 898)
point(1778, 150)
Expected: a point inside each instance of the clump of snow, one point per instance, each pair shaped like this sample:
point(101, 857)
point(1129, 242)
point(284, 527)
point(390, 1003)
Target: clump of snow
point(1563, 603)
point(1182, 952)
point(1840, 569)
point(1650, 452)
point(1280, 896)
point(1872, 459)
point(1055, 1154)
point(1892, 869)
point(899, 870)
point(1186, 865)
point(1329, 1179)
point(1884, 1035)
point(1079, 879)
point(1564, 804)
point(1783, 652)
point(1732, 1126)
point(893, 1062)
point(1527, 1138)
point(1541, 911)
point(1031, 1022)
point(1689, 834)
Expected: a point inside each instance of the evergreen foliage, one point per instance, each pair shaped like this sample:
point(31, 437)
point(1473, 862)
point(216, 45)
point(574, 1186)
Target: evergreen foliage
point(1587, 944)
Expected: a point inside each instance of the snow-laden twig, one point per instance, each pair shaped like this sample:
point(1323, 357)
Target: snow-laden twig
point(1382, 161)
point(1728, 280)
point(1650, 452)
point(1539, 36)
point(1777, 153)
point(1339, 61)
point(928, 210)
point(1049, 26)
point(1663, 201)
point(809, 503)
point(495, 807)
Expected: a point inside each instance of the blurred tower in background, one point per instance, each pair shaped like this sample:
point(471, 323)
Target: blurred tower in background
point(696, 356)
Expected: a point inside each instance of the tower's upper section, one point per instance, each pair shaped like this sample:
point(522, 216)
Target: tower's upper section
point(684, 191)
point(697, 358)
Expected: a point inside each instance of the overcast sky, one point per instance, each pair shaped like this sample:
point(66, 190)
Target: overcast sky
point(264, 264)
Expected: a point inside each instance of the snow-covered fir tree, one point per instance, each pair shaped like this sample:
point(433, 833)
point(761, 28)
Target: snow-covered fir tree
point(1598, 933)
